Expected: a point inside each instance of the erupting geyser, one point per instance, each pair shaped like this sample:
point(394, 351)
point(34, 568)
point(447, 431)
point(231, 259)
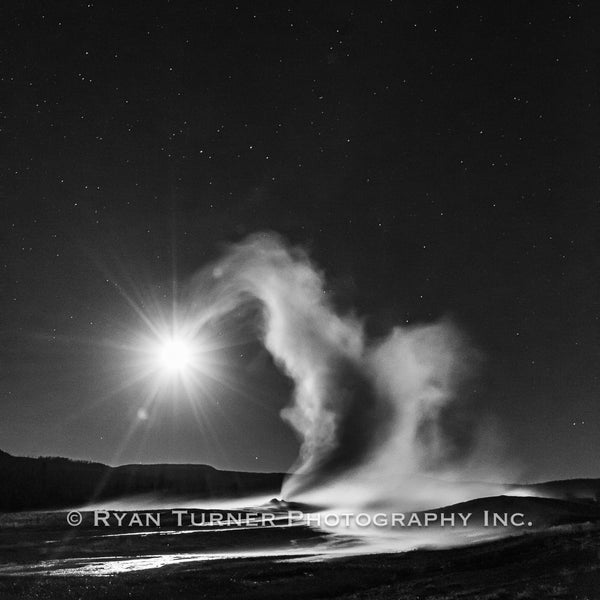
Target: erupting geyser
point(375, 417)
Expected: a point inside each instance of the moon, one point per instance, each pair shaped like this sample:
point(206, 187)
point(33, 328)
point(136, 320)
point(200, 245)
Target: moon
point(172, 360)
point(175, 355)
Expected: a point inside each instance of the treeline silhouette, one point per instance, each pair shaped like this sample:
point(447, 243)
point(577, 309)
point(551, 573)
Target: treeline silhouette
point(52, 482)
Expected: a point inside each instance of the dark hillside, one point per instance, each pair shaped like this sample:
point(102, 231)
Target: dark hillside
point(48, 482)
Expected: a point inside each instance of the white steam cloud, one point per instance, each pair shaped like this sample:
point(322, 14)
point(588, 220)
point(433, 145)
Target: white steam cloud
point(377, 419)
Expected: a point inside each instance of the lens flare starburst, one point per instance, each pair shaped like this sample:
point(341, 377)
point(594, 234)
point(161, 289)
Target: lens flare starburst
point(175, 355)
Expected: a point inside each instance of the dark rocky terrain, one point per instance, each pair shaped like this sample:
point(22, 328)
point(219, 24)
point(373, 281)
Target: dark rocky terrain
point(43, 557)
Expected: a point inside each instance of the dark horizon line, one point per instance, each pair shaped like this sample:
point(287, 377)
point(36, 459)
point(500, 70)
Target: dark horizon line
point(3, 453)
point(283, 473)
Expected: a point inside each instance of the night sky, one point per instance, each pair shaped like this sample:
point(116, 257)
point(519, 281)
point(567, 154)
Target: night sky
point(435, 158)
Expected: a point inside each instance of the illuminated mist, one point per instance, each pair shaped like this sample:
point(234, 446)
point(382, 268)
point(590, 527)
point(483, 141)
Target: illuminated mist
point(379, 420)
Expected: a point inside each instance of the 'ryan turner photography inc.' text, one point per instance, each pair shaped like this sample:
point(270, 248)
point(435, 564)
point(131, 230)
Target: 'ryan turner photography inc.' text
point(190, 518)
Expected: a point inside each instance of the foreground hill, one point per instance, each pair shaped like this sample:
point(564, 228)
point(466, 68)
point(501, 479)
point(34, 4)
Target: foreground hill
point(540, 511)
point(35, 483)
point(567, 489)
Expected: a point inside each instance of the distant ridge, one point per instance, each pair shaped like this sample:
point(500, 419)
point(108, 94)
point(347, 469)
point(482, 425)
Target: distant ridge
point(565, 489)
point(541, 511)
point(54, 482)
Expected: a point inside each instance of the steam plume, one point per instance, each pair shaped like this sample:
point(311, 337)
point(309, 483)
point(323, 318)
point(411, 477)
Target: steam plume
point(373, 416)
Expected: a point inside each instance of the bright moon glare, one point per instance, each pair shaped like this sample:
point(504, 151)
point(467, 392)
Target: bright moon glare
point(175, 355)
